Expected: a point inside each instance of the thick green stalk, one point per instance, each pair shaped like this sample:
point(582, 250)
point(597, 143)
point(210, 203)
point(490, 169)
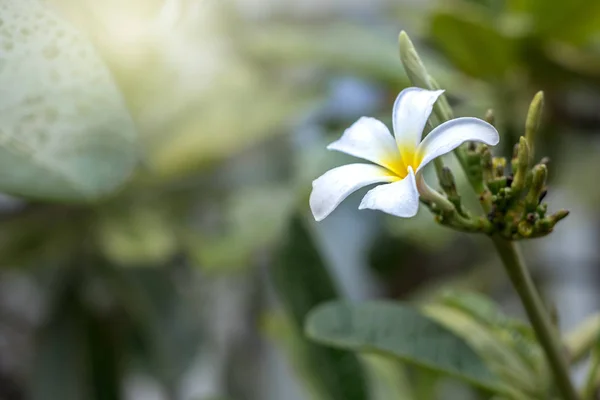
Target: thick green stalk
point(523, 284)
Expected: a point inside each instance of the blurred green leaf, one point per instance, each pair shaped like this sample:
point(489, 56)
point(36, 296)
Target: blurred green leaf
point(471, 41)
point(78, 351)
point(59, 365)
point(255, 218)
point(65, 133)
point(506, 362)
point(30, 237)
point(585, 62)
point(582, 338)
point(138, 234)
point(388, 379)
point(401, 332)
point(338, 46)
point(166, 332)
point(514, 333)
point(298, 350)
point(575, 21)
point(302, 282)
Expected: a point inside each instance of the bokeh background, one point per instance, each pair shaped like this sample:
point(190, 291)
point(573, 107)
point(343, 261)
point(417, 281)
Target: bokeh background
point(164, 289)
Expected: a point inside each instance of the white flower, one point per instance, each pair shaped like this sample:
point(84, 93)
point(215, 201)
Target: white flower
point(400, 162)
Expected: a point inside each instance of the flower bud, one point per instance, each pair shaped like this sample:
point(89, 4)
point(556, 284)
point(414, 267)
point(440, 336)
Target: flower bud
point(449, 186)
point(557, 216)
point(538, 181)
point(415, 70)
point(520, 163)
point(532, 124)
point(447, 182)
point(487, 164)
point(545, 225)
point(525, 229)
point(490, 118)
point(499, 164)
point(495, 185)
point(418, 76)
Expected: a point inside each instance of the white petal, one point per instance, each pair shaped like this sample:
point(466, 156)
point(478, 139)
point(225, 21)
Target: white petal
point(399, 198)
point(370, 139)
point(411, 112)
point(451, 134)
point(331, 188)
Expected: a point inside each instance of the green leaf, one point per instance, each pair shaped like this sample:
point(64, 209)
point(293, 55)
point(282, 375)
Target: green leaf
point(65, 133)
point(302, 282)
point(79, 354)
point(472, 43)
point(512, 332)
point(583, 338)
point(165, 329)
point(388, 379)
point(59, 363)
point(506, 363)
point(575, 21)
point(279, 328)
point(402, 332)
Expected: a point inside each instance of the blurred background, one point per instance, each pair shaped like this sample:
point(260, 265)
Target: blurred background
point(164, 290)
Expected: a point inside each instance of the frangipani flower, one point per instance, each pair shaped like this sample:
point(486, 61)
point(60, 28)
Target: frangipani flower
point(400, 162)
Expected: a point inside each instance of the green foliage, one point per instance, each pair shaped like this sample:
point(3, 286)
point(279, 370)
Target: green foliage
point(401, 332)
point(508, 347)
point(267, 206)
point(101, 319)
point(332, 46)
point(136, 234)
point(65, 133)
point(574, 21)
point(543, 43)
point(302, 282)
point(473, 44)
point(388, 378)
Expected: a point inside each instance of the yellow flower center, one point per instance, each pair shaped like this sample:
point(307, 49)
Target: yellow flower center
point(409, 157)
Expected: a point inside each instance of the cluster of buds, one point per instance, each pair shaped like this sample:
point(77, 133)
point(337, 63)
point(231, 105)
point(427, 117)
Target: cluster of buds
point(510, 194)
point(512, 197)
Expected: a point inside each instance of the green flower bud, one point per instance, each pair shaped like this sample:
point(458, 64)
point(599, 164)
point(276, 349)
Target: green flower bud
point(525, 229)
point(490, 118)
point(415, 70)
point(499, 165)
point(418, 76)
point(447, 182)
point(487, 164)
point(538, 181)
point(532, 124)
point(559, 215)
point(520, 165)
point(497, 184)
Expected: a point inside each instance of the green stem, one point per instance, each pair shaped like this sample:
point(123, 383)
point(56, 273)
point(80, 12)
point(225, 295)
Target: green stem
point(523, 284)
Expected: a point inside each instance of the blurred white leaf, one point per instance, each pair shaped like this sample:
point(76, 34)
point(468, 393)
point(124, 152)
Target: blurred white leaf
point(65, 133)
